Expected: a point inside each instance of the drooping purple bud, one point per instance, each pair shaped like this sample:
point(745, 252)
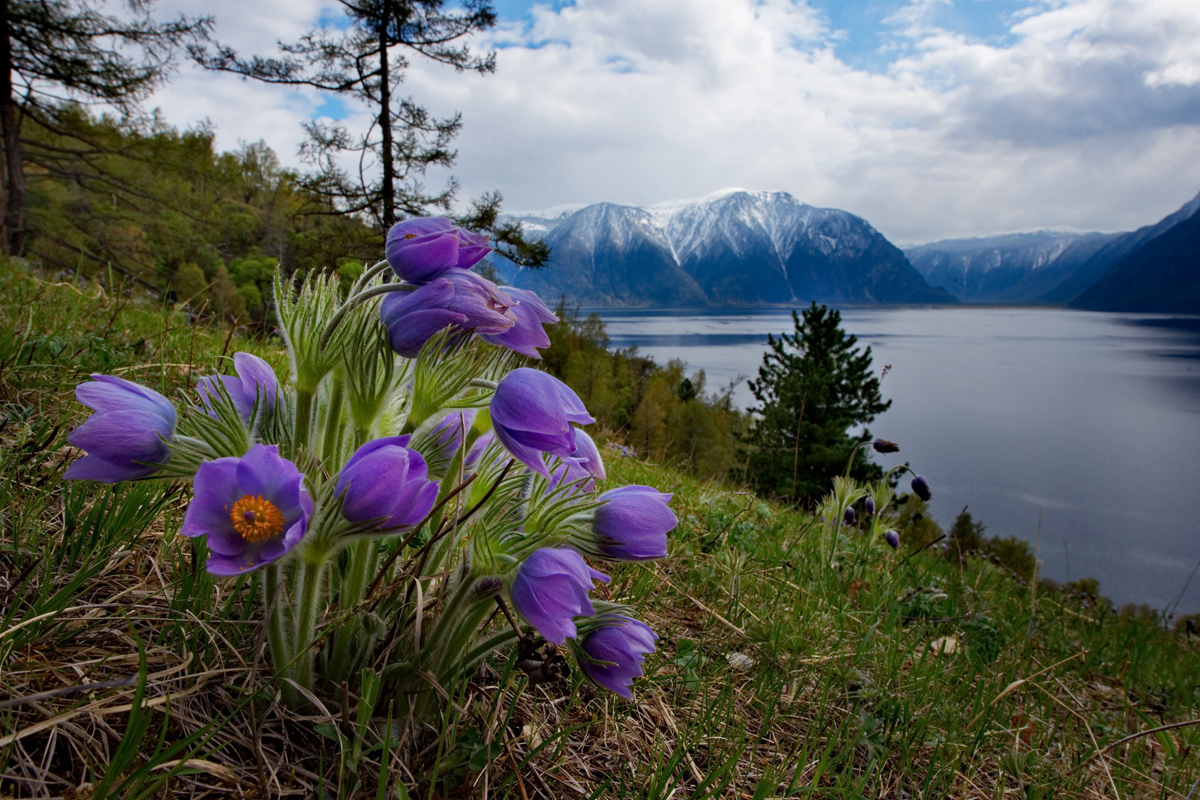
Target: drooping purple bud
point(532, 414)
point(884, 446)
point(613, 653)
point(583, 462)
point(920, 488)
point(869, 506)
point(124, 437)
point(385, 480)
point(527, 335)
point(419, 250)
point(255, 383)
point(848, 517)
point(633, 523)
point(447, 435)
point(251, 510)
point(456, 299)
point(550, 589)
point(892, 538)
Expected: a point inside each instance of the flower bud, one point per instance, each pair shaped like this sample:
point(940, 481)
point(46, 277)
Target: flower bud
point(255, 383)
point(458, 299)
point(892, 538)
point(527, 335)
point(384, 480)
point(551, 588)
point(920, 488)
point(419, 250)
point(869, 506)
point(613, 653)
point(633, 523)
point(884, 446)
point(532, 414)
point(848, 517)
point(124, 437)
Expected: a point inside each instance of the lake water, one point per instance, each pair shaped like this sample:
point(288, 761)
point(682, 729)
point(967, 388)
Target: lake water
point(1093, 419)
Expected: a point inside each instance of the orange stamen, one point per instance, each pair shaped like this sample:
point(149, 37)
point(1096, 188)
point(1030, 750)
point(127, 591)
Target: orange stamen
point(256, 519)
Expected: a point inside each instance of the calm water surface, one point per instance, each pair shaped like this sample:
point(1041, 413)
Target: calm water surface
point(1093, 419)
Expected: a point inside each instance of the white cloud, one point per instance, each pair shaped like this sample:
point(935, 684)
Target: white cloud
point(1089, 117)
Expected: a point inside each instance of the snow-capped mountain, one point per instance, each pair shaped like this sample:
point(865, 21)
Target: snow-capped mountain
point(1010, 268)
point(734, 247)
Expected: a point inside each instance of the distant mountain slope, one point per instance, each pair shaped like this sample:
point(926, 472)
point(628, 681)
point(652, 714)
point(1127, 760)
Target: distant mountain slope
point(1010, 268)
point(733, 248)
point(1161, 275)
point(1107, 257)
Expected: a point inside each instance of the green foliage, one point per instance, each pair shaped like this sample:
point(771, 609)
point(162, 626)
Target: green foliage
point(656, 410)
point(149, 203)
point(814, 384)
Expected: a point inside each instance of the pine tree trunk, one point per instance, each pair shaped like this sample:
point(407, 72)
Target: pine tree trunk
point(385, 120)
point(12, 223)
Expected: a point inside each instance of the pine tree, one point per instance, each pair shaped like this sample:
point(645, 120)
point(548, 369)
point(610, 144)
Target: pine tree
point(52, 51)
point(813, 386)
point(366, 62)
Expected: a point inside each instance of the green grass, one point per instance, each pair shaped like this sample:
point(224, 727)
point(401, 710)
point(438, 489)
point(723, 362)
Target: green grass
point(125, 671)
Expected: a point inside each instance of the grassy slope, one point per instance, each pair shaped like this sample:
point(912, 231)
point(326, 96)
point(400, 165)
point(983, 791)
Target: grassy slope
point(777, 675)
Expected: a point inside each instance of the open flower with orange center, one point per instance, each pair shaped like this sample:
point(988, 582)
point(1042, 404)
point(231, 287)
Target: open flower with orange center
point(251, 510)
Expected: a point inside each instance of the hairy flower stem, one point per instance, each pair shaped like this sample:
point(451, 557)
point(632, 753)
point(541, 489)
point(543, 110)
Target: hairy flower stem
point(304, 404)
point(362, 562)
point(309, 598)
point(278, 623)
point(333, 421)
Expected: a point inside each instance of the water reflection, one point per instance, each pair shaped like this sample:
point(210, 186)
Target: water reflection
point(1092, 418)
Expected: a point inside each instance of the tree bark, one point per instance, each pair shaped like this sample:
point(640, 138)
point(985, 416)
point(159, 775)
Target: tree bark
point(12, 222)
point(385, 120)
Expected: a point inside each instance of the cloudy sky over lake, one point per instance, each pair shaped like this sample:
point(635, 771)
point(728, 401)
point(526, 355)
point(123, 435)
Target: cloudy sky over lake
point(930, 118)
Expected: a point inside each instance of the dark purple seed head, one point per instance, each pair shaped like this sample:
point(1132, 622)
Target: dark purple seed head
point(884, 446)
point(920, 488)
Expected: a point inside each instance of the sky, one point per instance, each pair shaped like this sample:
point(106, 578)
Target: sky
point(931, 119)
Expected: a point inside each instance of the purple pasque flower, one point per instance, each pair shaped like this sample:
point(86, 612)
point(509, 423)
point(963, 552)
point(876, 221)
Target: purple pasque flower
point(385, 480)
point(849, 517)
point(892, 538)
point(447, 436)
point(255, 383)
point(584, 462)
point(251, 510)
point(459, 299)
point(475, 451)
point(884, 446)
point(920, 488)
point(614, 652)
point(532, 414)
point(418, 250)
point(550, 589)
point(869, 506)
point(527, 335)
point(633, 523)
point(124, 438)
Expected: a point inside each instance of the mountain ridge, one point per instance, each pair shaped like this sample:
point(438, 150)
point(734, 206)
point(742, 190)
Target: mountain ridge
point(731, 248)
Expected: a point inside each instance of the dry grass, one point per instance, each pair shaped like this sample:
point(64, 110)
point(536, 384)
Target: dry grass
point(125, 671)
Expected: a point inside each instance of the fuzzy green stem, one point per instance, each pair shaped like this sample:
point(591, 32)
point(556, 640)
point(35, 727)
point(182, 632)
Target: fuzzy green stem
point(304, 404)
point(309, 601)
point(333, 420)
point(275, 604)
point(363, 560)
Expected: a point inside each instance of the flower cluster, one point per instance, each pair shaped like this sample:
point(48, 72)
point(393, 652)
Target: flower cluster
point(433, 258)
point(476, 480)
